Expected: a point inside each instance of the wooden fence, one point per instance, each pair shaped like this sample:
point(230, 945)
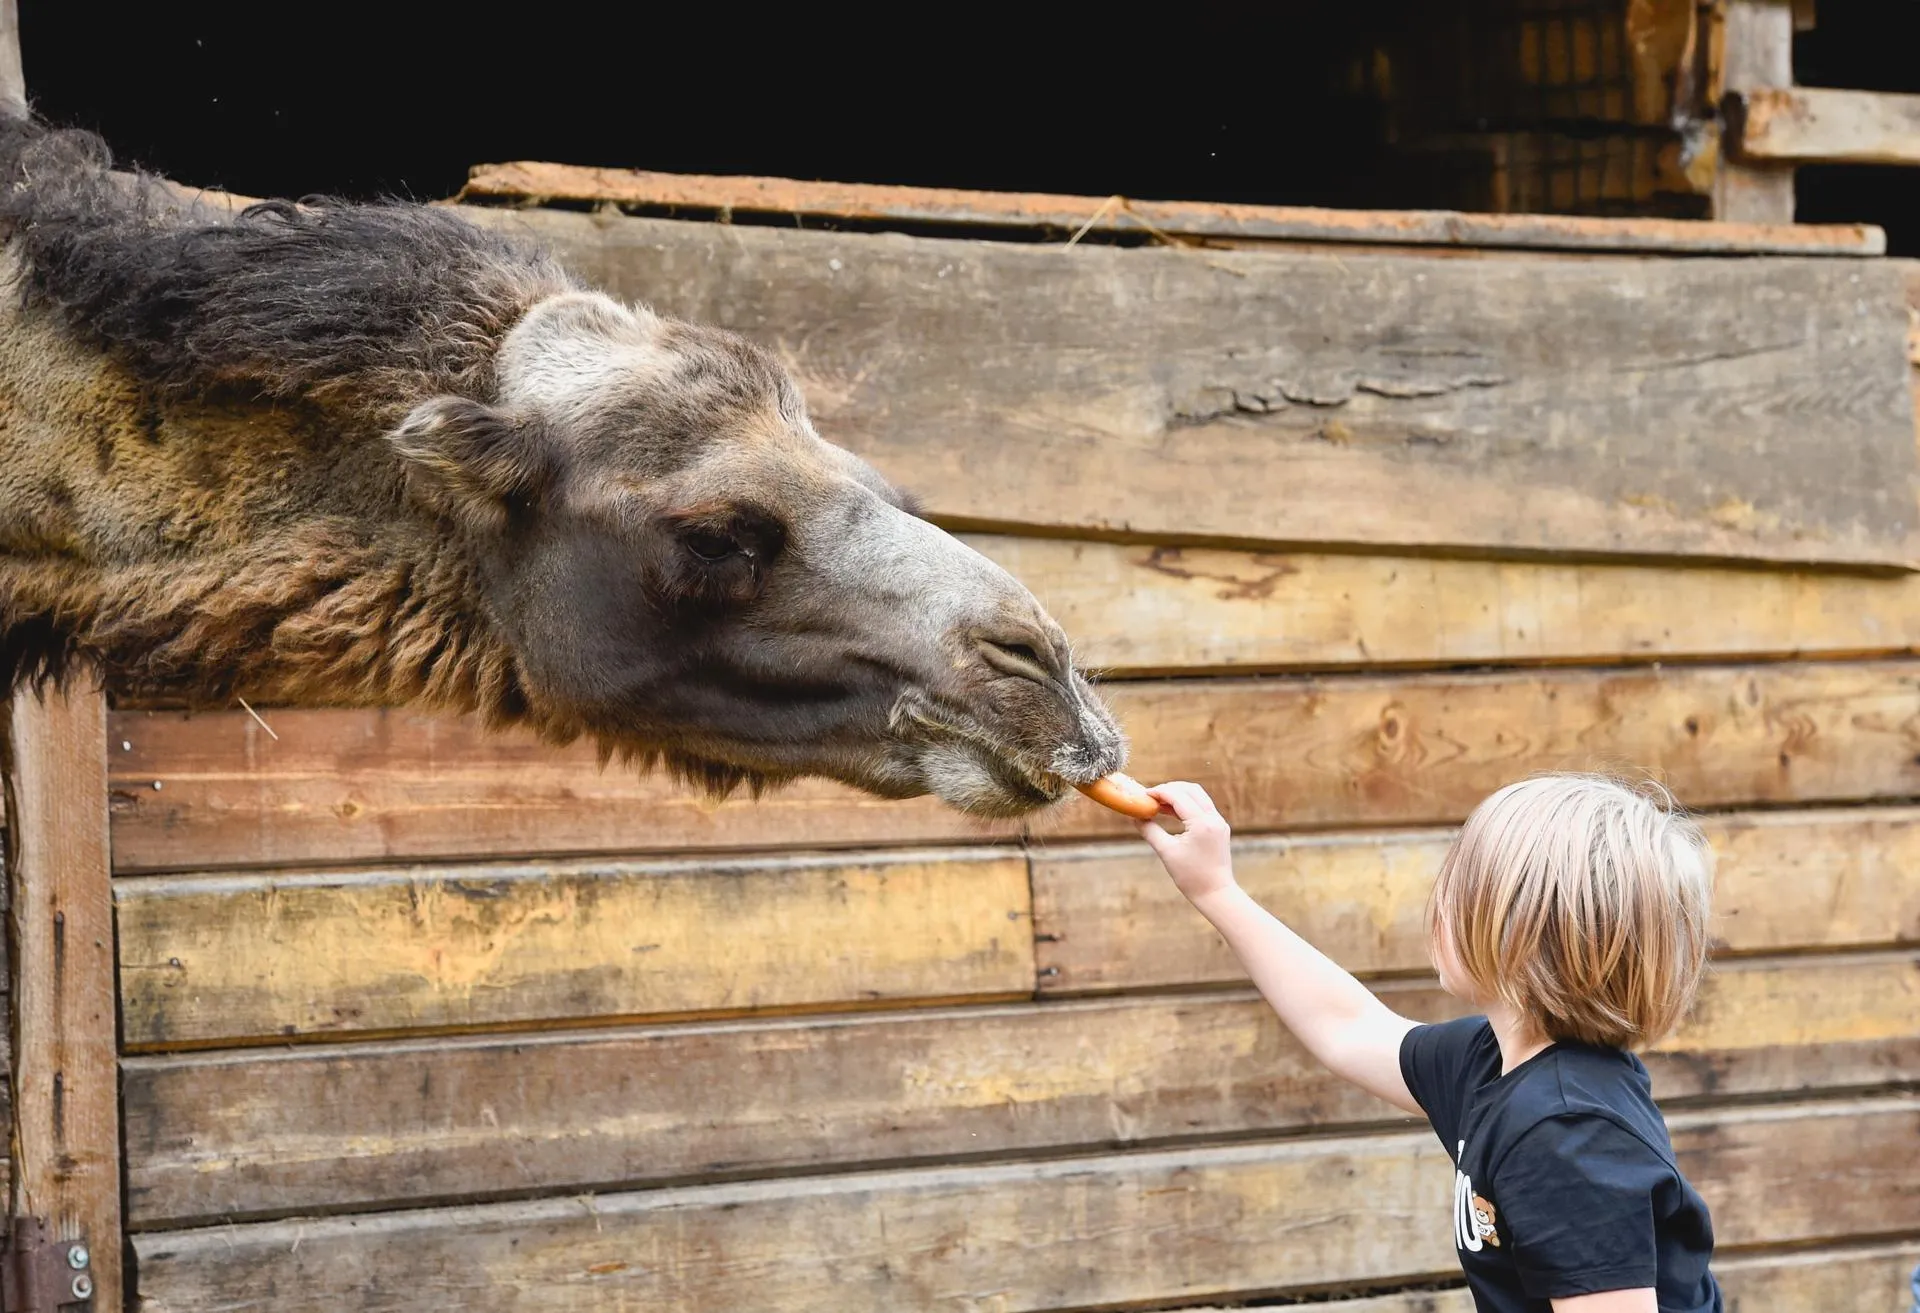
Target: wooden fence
point(412, 1016)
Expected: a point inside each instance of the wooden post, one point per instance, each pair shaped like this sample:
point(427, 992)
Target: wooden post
point(66, 1131)
point(13, 82)
point(1752, 47)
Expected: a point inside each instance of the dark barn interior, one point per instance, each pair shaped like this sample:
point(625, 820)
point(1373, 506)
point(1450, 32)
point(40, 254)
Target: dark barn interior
point(1376, 104)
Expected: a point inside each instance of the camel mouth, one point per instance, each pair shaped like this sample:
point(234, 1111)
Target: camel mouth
point(978, 772)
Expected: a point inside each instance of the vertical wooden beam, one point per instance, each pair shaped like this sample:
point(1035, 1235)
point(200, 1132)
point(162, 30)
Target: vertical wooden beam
point(1752, 47)
point(13, 82)
point(66, 1131)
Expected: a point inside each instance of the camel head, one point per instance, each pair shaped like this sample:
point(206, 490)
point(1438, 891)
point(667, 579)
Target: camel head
point(337, 454)
point(680, 562)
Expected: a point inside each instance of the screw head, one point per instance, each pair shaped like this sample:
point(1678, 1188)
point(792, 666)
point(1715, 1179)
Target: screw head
point(78, 1257)
point(83, 1286)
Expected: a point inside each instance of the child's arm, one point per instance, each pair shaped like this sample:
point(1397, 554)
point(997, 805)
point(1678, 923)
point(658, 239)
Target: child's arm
point(1335, 1016)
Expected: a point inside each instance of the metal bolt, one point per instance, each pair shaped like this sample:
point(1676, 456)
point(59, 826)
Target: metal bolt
point(83, 1286)
point(78, 1257)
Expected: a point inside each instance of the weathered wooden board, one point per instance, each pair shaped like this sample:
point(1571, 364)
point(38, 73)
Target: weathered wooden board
point(64, 1132)
point(1680, 407)
point(260, 956)
point(1821, 125)
point(244, 1134)
point(1107, 917)
point(870, 203)
point(1141, 609)
point(1866, 1279)
point(1279, 753)
point(1088, 1232)
point(194, 791)
point(1749, 45)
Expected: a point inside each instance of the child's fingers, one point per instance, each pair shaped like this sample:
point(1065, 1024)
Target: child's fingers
point(1157, 838)
point(1188, 801)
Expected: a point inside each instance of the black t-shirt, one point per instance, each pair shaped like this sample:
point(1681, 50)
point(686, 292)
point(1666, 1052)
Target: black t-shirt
point(1564, 1179)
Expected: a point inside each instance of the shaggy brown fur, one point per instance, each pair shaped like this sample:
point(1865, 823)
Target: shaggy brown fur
point(374, 455)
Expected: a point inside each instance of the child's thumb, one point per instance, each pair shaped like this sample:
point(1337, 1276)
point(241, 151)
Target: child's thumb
point(1158, 838)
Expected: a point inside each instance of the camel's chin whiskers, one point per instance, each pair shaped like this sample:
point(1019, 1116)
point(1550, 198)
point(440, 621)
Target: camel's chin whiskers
point(970, 781)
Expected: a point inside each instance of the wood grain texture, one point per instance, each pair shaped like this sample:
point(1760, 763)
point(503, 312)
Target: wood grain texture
point(1378, 400)
point(1106, 917)
point(249, 1134)
point(1864, 1279)
point(1280, 753)
point(1088, 1231)
point(540, 182)
point(1139, 609)
point(1198, 606)
point(66, 1110)
point(1820, 125)
point(263, 956)
point(1750, 45)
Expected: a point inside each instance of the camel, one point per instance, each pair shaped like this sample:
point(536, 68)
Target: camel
point(335, 454)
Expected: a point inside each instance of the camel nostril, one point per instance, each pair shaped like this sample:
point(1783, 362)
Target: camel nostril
point(1023, 659)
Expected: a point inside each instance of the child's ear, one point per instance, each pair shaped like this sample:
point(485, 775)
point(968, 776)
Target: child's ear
point(472, 461)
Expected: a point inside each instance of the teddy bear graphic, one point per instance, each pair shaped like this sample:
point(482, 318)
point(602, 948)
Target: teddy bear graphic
point(1483, 1216)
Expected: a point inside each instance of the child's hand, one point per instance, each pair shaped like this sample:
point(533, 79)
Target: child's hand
point(1199, 859)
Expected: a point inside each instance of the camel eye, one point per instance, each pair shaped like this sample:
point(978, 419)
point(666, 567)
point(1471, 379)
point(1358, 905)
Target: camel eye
point(712, 547)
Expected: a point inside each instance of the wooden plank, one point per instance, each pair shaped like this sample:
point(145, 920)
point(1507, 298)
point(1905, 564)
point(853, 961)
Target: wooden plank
point(1088, 1232)
point(227, 1136)
point(13, 82)
point(66, 1112)
point(1751, 45)
point(340, 786)
point(1819, 125)
point(1106, 917)
point(1147, 610)
point(1493, 405)
point(257, 957)
point(535, 182)
point(1864, 1279)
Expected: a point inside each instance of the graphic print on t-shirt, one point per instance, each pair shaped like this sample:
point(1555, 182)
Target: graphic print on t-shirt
point(1473, 1216)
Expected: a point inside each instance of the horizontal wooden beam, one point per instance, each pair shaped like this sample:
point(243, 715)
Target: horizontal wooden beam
point(866, 203)
point(1499, 406)
point(265, 957)
point(1090, 1232)
point(193, 792)
point(1819, 125)
point(359, 1126)
point(1154, 610)
point(1107, 918)
point(1850, 1279)
point(247, 958)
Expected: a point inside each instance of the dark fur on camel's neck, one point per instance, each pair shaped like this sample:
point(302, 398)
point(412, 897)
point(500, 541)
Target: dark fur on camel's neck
point(368, 306)
point(341, 317)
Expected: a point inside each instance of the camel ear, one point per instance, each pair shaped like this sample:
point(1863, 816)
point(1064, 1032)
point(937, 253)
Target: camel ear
point(471, 460)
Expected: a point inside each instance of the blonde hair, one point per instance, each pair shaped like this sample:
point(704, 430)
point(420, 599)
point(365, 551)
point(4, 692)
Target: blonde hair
point(1582, 902)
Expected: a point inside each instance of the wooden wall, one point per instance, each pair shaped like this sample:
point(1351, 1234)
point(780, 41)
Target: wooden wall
point(415, 1017)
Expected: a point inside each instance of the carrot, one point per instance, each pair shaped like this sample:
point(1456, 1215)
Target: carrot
point(1123, 795)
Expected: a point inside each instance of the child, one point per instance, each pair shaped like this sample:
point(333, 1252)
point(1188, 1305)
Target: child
point(1572, 911)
